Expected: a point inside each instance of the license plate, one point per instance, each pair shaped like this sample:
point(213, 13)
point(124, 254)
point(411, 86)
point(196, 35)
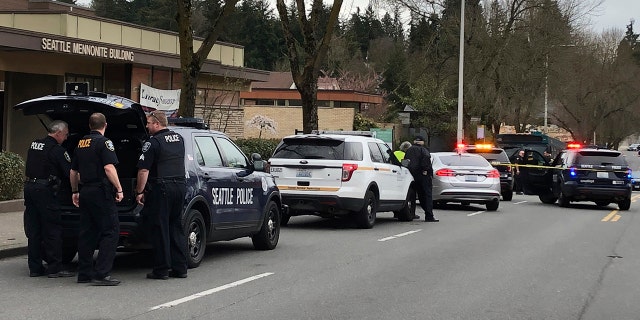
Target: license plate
point(303, 174)
point(470, 178)
point(603, 175)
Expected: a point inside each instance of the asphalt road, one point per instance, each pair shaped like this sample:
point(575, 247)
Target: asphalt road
point(527, 260)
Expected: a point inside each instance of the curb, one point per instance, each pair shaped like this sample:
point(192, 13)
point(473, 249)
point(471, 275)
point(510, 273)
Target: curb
point(12, 252)
point(12, 205)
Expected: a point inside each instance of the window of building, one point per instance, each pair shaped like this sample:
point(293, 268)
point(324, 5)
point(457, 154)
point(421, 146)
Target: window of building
point(161, 78)
point(95, 83)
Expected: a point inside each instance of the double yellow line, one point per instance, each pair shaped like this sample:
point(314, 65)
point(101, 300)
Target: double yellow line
point(613, 216)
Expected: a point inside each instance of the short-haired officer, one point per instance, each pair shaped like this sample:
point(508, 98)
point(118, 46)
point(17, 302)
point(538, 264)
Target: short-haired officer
point(93, 166)
point(161, 170)
point(47, 168)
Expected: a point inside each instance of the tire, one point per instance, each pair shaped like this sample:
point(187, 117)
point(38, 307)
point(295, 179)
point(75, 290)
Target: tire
point(408, 211)
point(548, 198)
point(624, 205)
point(562, 200)
point(507, 196)
point(366, 217)
point(267, 238)
point(493, 205)
point(602, 203)
point(196, 233)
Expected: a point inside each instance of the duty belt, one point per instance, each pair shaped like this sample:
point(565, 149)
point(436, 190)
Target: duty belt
point(167, 179)
point(38, 181)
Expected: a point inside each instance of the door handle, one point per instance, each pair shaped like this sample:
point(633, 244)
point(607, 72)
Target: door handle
point(376, 169)
point(394, 171)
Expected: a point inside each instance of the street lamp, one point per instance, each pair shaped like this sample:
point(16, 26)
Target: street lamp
point(460, 73)
point(546, 84)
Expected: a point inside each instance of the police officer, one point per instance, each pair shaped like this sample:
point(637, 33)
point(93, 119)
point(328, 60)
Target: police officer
point(161, 170)
point(93, 166)
point(422, 172)
point(47, 168)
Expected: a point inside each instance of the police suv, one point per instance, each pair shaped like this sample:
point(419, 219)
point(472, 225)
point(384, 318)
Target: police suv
point(346, 174)
point(579, 174)
point(228, 195)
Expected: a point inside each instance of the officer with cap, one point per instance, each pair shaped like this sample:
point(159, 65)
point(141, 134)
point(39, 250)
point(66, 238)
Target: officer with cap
point(422, 172)
point(161, 189)
point(47, 168)
point(93, 166)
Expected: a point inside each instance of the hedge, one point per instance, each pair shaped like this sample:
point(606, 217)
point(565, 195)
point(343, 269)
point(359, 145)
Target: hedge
point(264, 147)
point(11, 175)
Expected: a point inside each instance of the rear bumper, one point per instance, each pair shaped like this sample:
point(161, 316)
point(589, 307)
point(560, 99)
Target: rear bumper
point(578, 192)
point(467, 195)
point(323, 205)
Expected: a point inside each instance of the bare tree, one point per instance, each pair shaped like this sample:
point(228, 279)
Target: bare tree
point(306, 58)
point(191, 62)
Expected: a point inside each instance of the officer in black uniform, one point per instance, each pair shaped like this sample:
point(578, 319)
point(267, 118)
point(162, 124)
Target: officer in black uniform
point(93, 167)
point(47, 169)
point(161, 188)
point(422, 172)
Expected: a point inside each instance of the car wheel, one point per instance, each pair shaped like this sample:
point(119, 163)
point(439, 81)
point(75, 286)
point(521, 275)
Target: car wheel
point(548, 198)
point(624, 204)
point(408, 211)
point(507, 196)
point(562, 200)
point(602, 203)
point(493, 205)
point(267, 238)
point(366, 217)
point(196, 233)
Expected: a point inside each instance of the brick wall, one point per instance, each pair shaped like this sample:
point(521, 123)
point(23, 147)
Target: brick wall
point(14, 5)
point(227, 120)
point(288, 119)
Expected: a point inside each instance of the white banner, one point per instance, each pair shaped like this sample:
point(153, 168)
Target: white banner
point(165, 100)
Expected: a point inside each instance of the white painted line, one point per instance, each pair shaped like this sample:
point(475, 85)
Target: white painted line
point(210, 291)
point(473, 214)
point(521, 202)
point(399, 235)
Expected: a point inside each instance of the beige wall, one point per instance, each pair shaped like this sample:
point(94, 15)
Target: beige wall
point(288, 119)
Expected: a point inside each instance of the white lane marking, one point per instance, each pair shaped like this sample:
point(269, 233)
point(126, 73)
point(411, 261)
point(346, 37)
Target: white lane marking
point(521, 202)
point(210, 291)
point(473, 214)
point(399, 235)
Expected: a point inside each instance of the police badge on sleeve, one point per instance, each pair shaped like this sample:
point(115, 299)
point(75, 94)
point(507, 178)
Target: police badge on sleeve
point(67, 157)
point(109, 145)
point(146, 146)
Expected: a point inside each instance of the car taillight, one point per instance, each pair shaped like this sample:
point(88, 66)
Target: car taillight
point(508, 169)
point(493, 174)
point(347, 170)
point(445, 173)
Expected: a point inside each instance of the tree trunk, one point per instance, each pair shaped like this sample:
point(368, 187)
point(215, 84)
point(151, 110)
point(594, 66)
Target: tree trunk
point(308, 95)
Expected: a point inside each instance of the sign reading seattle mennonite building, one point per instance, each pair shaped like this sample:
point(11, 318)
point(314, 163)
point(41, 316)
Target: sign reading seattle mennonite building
point(86, 49)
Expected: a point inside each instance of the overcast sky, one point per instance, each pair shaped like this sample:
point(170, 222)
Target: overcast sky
point(612, 13)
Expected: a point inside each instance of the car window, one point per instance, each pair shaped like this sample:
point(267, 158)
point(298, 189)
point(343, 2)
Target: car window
point(600, 158)
point(330, 149)
point(207, 153)
point(235, 157)
point(491, 155)
point(464, 161)
point(386, 152)
point(376, 155)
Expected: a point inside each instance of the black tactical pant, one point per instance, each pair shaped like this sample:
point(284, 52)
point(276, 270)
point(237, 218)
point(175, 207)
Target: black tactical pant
point(163, 217)
point(424, 190)
point(43, 228)
point(99, 228)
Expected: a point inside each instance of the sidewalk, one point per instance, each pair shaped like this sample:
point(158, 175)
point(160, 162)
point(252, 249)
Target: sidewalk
point(13, 242)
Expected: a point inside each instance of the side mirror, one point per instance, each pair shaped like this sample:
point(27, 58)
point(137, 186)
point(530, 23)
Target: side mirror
point(258, 163)
point(405, 162)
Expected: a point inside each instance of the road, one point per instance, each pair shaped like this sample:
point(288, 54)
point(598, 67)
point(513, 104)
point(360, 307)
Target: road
point(527, 260)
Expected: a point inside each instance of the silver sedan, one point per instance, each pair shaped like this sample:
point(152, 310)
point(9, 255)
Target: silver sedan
point(465, 178)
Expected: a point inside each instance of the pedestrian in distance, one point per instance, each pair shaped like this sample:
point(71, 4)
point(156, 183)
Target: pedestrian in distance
point(161, 189)
point(422, 172)
point(93, 170)
point(47, 171)
point(401, 150)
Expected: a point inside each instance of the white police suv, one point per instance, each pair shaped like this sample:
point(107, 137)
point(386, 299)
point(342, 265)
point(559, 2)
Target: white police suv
point(342, 174)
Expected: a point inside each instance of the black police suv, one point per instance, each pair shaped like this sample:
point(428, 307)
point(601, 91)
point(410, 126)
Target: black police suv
point(499, 160)
point(228, 195)
point(579, 174)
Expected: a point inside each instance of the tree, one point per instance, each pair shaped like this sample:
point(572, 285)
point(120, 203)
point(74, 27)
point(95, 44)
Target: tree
point(306, 58)
point(191, 62)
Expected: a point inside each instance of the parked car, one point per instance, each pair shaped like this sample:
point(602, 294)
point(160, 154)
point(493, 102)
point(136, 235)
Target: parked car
point(580, 174)
point(228, 195)
point(498, 158)
point(465, 178)
point(635, 180)
point(633, 147)
point(332, 175)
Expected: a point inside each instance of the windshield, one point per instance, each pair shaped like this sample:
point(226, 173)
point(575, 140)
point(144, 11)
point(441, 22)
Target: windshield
point(491, 155)
point(298, 148)
point(600, 158)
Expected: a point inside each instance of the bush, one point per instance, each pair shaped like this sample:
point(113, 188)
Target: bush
point(11, 175)
point(264, 147)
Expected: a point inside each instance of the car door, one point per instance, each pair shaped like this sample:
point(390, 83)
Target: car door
point(536, 173)
point(384, 174)
point(247, 184)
